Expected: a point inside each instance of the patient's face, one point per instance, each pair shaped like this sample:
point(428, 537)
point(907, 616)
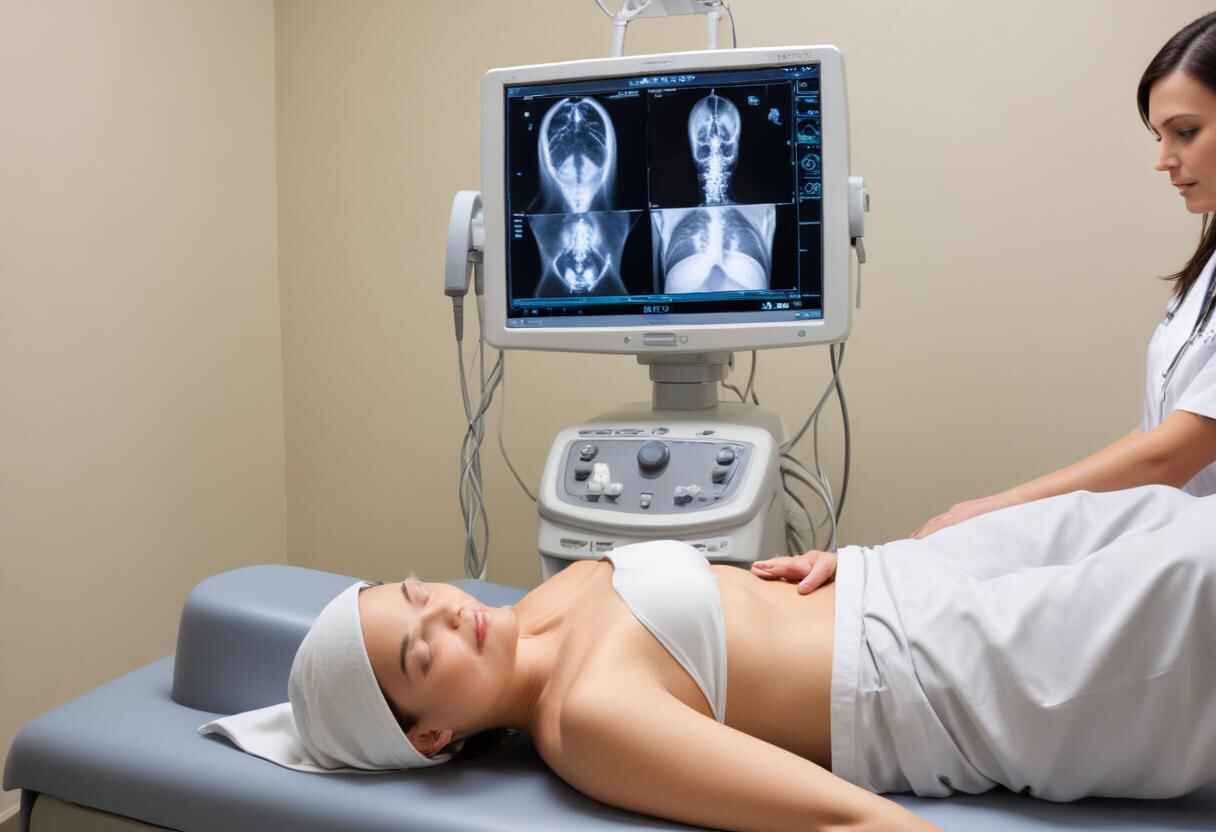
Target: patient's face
point(439, 654)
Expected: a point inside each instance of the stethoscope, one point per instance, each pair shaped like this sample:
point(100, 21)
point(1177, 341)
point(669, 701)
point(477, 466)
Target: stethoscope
point(1205, 314)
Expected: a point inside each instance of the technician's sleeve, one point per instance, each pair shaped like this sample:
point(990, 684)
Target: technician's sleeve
point(1200, 395)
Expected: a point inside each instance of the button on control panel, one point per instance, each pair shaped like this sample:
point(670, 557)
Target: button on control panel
point(652, 470)
point(653, 458)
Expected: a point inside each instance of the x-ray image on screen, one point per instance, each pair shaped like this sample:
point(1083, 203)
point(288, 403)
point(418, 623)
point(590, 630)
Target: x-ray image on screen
point(581, 254)
point(721, 146)
point(651, 199)
point(713, 132)
point(719, 249)
point(575, 154)
point(577, 147)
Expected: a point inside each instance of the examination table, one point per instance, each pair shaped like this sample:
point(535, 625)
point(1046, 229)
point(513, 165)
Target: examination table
point(127, 756)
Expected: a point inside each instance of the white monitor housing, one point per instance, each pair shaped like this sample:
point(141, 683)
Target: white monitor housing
point(691, 202)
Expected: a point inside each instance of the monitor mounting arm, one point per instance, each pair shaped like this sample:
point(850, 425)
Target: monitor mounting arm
point(631, 9)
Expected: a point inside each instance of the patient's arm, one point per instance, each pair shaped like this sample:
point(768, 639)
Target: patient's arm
point(650, 753)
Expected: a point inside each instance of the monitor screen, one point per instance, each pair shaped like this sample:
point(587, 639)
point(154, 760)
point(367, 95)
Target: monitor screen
point(657, 200)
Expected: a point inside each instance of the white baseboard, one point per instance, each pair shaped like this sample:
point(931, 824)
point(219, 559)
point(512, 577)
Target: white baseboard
point(8, 815)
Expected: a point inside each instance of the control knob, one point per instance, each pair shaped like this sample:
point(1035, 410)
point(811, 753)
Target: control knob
point(653, 457)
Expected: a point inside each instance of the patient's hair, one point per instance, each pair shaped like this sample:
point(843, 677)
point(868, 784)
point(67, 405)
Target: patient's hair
point(1192, 51)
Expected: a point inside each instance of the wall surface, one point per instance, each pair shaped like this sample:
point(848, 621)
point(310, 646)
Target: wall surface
point(141, 444)
point(1015, 241)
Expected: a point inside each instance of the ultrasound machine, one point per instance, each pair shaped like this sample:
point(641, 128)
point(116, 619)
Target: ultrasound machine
point(679, 208)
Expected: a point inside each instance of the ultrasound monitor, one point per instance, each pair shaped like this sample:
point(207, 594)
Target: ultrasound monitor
point(689, 202)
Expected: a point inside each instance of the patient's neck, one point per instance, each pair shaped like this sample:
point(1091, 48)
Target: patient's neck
point(535, 661)
point(543, 617)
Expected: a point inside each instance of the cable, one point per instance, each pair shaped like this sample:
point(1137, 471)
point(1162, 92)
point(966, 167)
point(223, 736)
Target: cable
point(819, 492)
point(793, 470)
point(790, 527)
point(751, 382)
point(470, 488)
point(798, 546)
point(787, 445)
point(471, 494)
point(734, 390)
point(815, 444)
point(844, 419)
point(823, 482)
point(470, 491)
point(749, 389)
point(816, 480)
point(502, 419)
point(734, 42)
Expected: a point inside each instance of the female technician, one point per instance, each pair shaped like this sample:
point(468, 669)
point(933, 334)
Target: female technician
point(1176, 444)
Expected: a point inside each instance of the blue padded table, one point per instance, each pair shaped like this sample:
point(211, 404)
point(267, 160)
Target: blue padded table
point(131, 747)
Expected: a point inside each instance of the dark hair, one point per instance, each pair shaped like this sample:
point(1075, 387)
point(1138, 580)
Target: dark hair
point(1192, 51)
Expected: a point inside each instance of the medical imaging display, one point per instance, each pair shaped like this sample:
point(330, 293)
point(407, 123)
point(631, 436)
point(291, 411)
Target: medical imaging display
point(582, 254)
point(689, 198)
point(725, 146)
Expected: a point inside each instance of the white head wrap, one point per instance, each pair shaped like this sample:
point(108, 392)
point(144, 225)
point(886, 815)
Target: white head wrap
point(337, 719)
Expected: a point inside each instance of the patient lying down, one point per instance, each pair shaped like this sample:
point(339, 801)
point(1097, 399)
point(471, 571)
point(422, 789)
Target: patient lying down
point(1020, 649)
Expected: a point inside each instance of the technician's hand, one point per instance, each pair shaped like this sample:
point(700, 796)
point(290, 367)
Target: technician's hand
point(809, 570)
point(963, 511)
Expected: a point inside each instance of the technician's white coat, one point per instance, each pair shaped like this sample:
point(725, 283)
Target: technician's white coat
point(1192, 384)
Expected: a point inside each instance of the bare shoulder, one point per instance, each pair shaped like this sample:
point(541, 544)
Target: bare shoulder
point(575, 574)
point(591, 711)
point(556, 592)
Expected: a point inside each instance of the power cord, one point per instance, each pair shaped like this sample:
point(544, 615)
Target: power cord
point(502, 419)
point(795, 473)
point(470, 487)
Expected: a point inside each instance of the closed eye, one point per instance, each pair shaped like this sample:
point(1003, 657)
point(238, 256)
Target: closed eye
point(419, 596)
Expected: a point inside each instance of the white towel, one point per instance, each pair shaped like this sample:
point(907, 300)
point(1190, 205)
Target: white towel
point(337, 719)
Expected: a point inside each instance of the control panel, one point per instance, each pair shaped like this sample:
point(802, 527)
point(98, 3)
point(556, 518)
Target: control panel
point(709, 479)
point(652, 471)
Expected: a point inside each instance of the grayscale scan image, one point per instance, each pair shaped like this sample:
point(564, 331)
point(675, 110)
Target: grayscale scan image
point(692, 195)
point(713, 131)
point(720, 249)
point(580, 254)
point(577, 148)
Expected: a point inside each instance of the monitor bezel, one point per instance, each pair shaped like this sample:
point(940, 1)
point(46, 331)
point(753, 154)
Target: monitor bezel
point(835, 324)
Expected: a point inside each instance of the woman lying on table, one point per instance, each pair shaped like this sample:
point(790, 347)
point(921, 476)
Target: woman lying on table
point(997, 652)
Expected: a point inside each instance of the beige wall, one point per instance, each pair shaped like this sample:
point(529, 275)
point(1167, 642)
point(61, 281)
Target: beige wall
point(1017, 227)
point(141, 415)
